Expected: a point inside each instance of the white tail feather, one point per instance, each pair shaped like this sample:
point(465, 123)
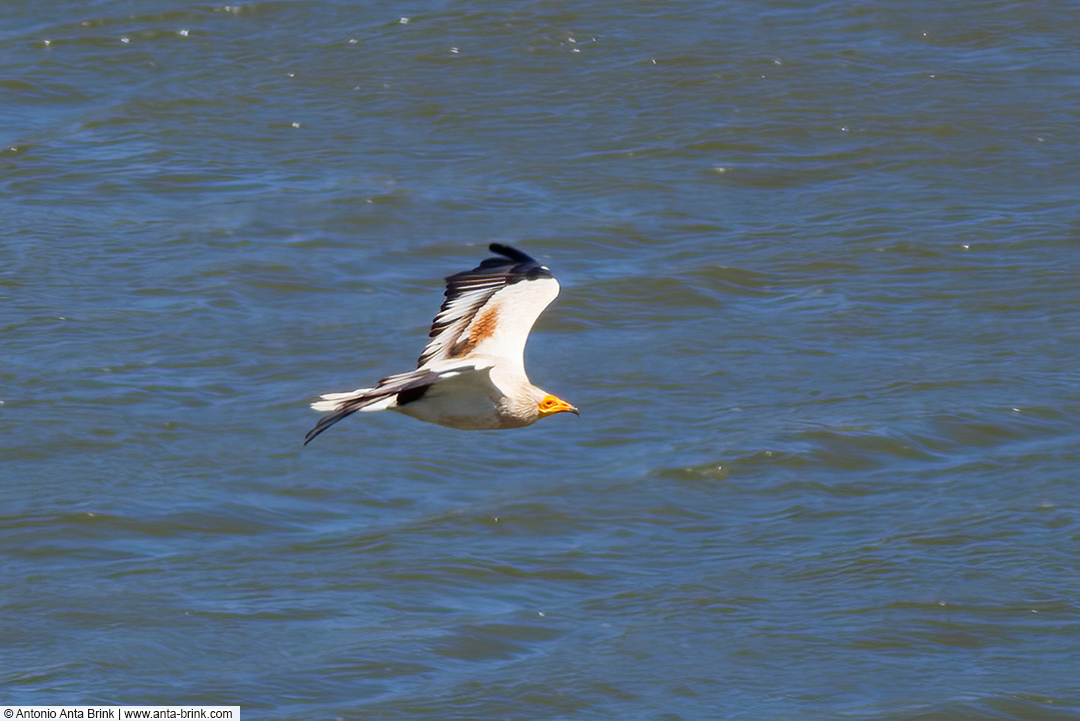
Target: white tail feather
point(388, 402)
point(335, 401)
point(346, 396)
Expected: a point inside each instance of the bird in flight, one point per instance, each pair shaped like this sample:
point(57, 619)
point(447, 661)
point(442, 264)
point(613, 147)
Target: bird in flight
point(471, 374)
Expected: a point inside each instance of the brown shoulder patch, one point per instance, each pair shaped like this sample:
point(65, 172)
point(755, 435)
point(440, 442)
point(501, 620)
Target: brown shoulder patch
point(482, 328)
point(485, 324)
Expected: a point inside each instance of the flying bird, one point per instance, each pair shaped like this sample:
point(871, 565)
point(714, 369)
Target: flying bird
point(471, 374)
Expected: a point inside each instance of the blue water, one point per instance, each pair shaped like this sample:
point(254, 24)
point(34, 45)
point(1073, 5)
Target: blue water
point(820, 311)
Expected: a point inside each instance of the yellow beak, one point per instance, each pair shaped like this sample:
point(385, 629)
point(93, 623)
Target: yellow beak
point(551, 405)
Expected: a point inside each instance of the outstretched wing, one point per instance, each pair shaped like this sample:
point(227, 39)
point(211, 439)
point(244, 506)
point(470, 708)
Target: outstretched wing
point(490, 309)
point(396, 390)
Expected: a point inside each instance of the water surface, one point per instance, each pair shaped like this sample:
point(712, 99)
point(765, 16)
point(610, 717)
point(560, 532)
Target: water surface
point(820, 311)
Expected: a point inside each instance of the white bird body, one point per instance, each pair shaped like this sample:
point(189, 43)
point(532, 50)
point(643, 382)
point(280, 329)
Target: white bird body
point(471, 375)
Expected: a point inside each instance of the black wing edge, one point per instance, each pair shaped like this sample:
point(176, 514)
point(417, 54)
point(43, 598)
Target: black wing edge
point(512, 253)
point(519, 265)
point(413, 388)
point(325, 422)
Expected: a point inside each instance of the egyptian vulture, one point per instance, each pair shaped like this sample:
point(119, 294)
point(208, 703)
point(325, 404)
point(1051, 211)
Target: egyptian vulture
point(471, 374)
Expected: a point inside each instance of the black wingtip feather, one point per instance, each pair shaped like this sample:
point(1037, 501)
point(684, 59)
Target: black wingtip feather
point(325, 423)
point(512, 253)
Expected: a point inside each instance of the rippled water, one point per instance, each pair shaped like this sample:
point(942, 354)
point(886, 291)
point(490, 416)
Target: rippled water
point(820, 311)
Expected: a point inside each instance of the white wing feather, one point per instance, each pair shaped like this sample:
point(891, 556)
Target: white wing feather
point(514, 311)
point(491, 309)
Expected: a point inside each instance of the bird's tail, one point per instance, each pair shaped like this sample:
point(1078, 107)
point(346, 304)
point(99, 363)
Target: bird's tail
point(342, 405)
point(334, 401)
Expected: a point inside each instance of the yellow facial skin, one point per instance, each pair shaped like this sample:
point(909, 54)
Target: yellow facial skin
point(551, 405)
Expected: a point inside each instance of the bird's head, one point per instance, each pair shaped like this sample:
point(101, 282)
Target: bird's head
point(550, 405)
